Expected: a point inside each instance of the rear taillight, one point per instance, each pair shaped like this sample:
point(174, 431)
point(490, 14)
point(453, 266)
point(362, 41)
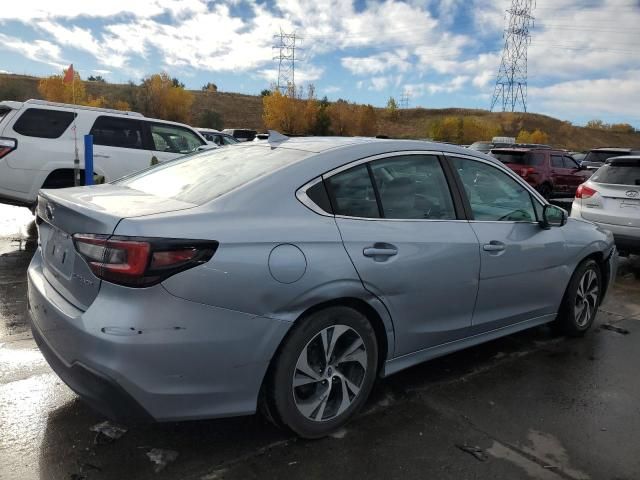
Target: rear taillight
point(526, 171)
point(585, 192)
point(7, 145)
point(138, 261)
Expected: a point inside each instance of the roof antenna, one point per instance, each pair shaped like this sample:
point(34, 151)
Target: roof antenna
point(276, 137)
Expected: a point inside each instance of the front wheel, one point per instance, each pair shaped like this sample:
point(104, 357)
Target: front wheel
point(324, 372)
point(581, 300)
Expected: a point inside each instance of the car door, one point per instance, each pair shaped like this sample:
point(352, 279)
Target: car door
point(170, 141)
point(522, 272)
point(119, 146)
point(575, 175)
point(559, 174)
point(401, 229)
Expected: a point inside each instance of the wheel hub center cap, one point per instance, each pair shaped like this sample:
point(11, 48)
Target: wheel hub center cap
point(329, 372)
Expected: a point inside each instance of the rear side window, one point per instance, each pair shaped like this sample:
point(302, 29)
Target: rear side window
point(203, 176)
point(413, 187)
point(352, 193)
point(520, 158)
point(174, 139)
point(556, 161)
point(623, 173)
point(117, 132)
point(569, 162)
point(602, 156)
point(43, 123)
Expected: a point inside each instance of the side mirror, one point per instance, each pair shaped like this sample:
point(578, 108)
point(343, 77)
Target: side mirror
point(553, 216)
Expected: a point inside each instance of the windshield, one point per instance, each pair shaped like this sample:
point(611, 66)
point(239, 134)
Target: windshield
point(618, 174)
point(519, 158)
point(201, 177)
point(600, 156)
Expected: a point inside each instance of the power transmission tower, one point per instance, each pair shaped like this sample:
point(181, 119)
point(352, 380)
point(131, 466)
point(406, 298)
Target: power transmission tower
point(285, 48)
point(404, 99)
point(511, 84)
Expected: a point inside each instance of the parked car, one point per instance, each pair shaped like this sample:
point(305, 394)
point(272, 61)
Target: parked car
point(241, 134)
point(596, 157)
point(611, 200)
point(578, 156)
point(496, 142)
point(261, 136)
point(552, 172)
point(292, 273)
point(216, 137)
point(38, 139)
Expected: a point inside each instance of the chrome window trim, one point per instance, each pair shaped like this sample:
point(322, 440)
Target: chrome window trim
point(301, 195)
point(532, 191)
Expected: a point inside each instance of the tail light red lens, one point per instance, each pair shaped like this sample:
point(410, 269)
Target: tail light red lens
point(585, 192)
point(526, 171)
point(140, 262)
point(7, 145)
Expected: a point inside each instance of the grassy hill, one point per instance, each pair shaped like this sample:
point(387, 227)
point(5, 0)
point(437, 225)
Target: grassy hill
point(239, 110)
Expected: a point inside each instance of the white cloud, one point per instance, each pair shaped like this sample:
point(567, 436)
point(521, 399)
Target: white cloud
point(331, 89)
point(379, 83)
point(38, 50)
point(618, 96)
point(377, 63)
point(452, 85)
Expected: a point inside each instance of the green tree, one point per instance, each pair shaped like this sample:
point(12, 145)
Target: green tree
point(210, 87)
point(265, 93)
point(177, 83)
point(323, 122)
point(211, 119)
point(392, 108)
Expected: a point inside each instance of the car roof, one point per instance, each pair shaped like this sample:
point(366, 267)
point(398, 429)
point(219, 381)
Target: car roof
point(324, 144)
point(624, 159)
point(610, 149)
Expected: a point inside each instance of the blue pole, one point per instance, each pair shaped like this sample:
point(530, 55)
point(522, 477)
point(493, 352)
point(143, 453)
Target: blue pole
point(88, 159)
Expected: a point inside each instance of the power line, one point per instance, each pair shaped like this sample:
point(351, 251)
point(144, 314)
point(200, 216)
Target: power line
point(511, 85)
point(286, 56)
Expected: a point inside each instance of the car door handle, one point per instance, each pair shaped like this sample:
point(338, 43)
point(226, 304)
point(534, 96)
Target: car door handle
point(494, 246)
point(97, 155)
point(380, 251)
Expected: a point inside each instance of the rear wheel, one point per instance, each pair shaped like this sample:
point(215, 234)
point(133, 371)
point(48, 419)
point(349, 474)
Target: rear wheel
point(323, 373)
point(581, 300)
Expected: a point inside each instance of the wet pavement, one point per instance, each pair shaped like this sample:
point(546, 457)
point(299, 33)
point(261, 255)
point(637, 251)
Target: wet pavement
point(531, 405)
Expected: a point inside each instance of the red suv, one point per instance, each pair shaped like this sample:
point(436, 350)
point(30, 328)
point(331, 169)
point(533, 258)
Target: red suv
point(551, 172)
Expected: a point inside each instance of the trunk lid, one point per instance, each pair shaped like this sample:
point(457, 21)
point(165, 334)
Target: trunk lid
point(613, 204)
point(95, 210)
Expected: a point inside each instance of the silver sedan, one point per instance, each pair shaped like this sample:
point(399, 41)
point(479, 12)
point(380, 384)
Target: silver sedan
point(291, 274)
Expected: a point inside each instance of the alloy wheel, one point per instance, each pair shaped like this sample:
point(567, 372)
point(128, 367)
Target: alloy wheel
point(329, 373)
point(586, 298)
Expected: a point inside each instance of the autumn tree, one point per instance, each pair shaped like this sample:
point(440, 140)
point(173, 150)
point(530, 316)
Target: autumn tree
point(367, 121)
point(622, 128)
point(54, 89)
point(343, 116)
point(323, 122)
point(537, 136)
point(596, 124)
point(161, 97)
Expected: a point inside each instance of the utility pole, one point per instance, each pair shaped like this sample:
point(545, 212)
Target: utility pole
point(404, 99)
point(511, 85)
point(285, 54)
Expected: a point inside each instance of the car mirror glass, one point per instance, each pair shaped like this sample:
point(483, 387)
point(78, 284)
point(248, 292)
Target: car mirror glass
point(553, 216)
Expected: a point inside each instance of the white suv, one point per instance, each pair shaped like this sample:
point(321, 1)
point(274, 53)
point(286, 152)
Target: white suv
point(37, 147)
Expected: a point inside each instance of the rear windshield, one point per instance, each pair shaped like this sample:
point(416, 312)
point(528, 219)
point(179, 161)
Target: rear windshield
point(602, 156)
point(200, 177)
point(519, 158)
point(618, 174)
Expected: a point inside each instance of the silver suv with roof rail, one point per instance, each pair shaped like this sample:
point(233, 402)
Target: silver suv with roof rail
point(38, 142)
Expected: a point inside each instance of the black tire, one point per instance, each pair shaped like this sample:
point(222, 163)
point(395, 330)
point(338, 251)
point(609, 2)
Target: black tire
point(570, 321)
point(282, 399)
point(545, 190)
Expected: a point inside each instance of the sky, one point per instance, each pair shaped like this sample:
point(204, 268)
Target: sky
point(583, 60)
